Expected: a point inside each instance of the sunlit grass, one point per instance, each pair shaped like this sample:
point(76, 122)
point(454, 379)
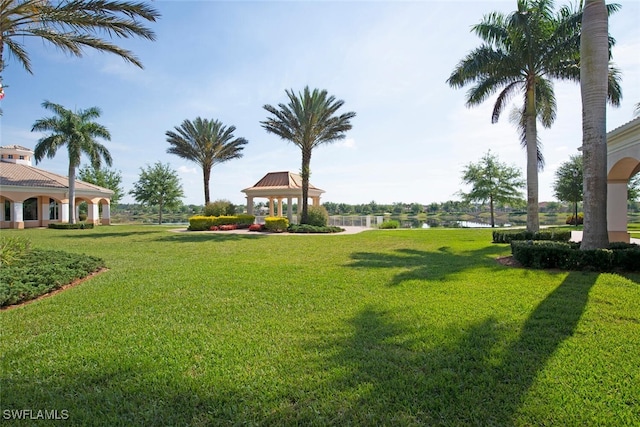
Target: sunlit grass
point(381, 328)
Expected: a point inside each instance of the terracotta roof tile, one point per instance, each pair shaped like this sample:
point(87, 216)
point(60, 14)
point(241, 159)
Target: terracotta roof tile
point(12, 174)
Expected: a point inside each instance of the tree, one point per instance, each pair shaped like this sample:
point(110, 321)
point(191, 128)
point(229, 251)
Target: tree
point(72, 26)
point(567, 186)
point(78, 132)
point(104, 177)
point(523, 52)
point(308, 120)
point(594, 50)
point(159, 186)
point(207, 143)
point(492, 181)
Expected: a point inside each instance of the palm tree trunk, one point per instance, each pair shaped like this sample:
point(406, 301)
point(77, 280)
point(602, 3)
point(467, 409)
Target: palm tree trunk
point(305, 173)
point(72, 194)
point(207, 177)
point(594, 54)
point(531, 138)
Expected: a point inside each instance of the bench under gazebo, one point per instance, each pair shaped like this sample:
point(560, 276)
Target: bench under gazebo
point(278, 186)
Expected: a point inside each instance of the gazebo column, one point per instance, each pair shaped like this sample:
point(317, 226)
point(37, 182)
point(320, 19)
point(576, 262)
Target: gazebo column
point(249, 205)
point(617, 211)
point(315, 201)
point(280, 206)
point(17, 218)
point(290, 210)
point(271, 206)
point(106, 214)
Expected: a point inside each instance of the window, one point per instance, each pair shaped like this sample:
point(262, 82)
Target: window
point(9, 156)
point(7, 210)
point(21, 157)
point(54, 209)
point(30, 209)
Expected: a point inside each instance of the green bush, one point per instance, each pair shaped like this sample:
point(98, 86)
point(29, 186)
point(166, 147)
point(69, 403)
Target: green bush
point(219, 208)
point(276, 224)
point(201, 222)
point(571, 221)
point(507, 236)
point(390, 224)
point(306, 228)
point(317, 216)
point(13, 249)
point(41, 271)
point(67, 226)
point(568, 256)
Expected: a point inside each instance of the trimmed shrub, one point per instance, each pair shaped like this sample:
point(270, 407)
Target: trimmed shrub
point(276, 224)
point(306, 228)
point(571, 221)
point(67, 226)
point(317, 216)
point(390, 224)
point(201, 222)
point(568, 256)
point(13, 249)
point(256, 227)
point(502, 236)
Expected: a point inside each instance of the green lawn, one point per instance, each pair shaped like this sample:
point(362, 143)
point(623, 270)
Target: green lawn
point(398, 327)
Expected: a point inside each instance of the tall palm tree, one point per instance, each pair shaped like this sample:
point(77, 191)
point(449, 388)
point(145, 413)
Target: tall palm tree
point(72, 26)
point(594, 51)
point(206, 142)
point(78, 132)
point(523, 52)
point(308, 120)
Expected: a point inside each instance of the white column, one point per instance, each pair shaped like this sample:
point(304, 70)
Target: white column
point(270, 206)
point(249, 205)
point(77, 214)
point(280, 206)
point(92, 212)
point(290, 210)
point(17, 217)
point(106, 214)
point(45, 215)
point(617, 211)
point(64, 212)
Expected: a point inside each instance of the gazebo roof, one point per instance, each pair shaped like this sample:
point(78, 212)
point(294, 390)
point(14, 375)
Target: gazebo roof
point(281, 184)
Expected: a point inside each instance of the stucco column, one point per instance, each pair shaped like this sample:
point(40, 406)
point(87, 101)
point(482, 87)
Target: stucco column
point(270, 206)
point(290, 210)
point(249, 205)
point(17, 218)
point(106, 214)
point(44, 214)
point(617, 211)
point(64, 212)
point(92, 213)
point(280, 206)
point(77, 218)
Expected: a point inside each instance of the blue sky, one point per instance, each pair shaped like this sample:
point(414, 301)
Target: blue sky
point(388, 60)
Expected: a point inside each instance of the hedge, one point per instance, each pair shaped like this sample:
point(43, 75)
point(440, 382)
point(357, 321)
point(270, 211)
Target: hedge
point(67, 226)
point(276, 223)
point(503, 236)
point(568, 256)
point(201, 222)
point(306, 228)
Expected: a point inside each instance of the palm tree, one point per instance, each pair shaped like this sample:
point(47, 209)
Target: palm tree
point(77, 131)
point(308, 121)
point(593, 84)
point(206, 142)
point(72, 26)
point(523, 52)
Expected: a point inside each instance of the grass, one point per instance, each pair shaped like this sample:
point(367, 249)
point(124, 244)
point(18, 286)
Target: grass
point(417, 327)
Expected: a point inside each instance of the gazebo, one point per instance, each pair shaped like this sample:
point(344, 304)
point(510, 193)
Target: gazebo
point(623, 162)
point(32, 197)
point(277, 186)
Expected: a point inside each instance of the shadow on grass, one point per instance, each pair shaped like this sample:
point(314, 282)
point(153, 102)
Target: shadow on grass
point(206, 237)
point(477, 379)
point(91, 234)
point(425, 265)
